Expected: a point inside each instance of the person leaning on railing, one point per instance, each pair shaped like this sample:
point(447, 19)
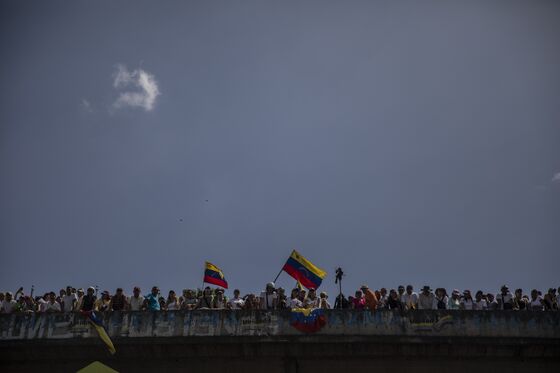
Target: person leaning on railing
point(136, 301)
point(52, 304)
point(71, 299)
point(118, 301)
point(151, 301)
point(88, 302)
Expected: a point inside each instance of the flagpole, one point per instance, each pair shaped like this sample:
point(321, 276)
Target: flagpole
point(279, 273)
point(202, 287)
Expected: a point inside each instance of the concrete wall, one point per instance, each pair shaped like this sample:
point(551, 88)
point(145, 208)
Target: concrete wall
point(232, 341)
point(260, 323)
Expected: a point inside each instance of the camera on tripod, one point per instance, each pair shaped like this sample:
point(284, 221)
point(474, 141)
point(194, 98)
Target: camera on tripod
point(339, 275)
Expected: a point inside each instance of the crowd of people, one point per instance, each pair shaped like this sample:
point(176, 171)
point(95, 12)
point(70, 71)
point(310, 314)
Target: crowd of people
point(80, 300)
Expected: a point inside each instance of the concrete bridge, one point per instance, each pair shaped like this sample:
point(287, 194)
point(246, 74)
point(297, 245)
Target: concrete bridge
point(246, 341)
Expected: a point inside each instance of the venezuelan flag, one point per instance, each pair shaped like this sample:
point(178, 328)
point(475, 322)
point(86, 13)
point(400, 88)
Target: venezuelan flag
point(304, 271)
point(308, 320)
point(98, 324)
point(214, 275)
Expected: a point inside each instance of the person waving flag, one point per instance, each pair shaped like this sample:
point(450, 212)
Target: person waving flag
point(214, 275)
point(304, 271)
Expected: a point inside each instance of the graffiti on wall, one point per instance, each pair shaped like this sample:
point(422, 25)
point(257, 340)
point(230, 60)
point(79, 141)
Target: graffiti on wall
point(207, 323)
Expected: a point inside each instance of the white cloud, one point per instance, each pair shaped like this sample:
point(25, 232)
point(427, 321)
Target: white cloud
point(556, 178)
point(146, 89)
point(86, 105)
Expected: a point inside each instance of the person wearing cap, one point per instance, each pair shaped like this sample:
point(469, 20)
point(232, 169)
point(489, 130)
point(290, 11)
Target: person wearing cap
point(219, 301)
point(455, 300)
point(103, 303)
point(89, 300)
point(371, 300)
point(269, 298)
point(323, 302)
point(467, 302)
point(410, 298)
point(505, 298)
point(136, 301)
point(427, 299)
point(80, 299)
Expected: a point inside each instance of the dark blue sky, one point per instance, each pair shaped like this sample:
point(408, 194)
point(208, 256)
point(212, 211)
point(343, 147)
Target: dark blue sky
point(408, 142)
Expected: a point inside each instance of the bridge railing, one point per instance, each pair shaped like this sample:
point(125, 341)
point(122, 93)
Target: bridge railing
point(204, 323)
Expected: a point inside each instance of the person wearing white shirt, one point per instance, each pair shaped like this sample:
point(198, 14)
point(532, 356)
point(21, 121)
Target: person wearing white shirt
point(480, 303)
point(505, 299)
point(52, 305)
point(323, 302)
point(382, 301)
point(536, 301)
point(172, 302)
point(69, 300)
point(219, 301)
point(294, 302)
point(235, 303)
point(8, 304)
point(311, 301)
point(410, 298)
point(136, 300)
point(42, 303)
point(467, 302)
point(427, 299)
point(491, 304)
point(80, 295)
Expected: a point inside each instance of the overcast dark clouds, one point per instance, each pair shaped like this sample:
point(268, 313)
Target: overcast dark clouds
point(408, 142)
